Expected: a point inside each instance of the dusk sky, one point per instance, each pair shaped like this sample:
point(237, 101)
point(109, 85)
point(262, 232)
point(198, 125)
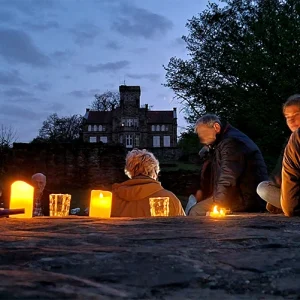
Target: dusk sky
point(56, 54)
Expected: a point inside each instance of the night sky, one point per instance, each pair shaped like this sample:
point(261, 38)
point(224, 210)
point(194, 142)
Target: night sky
point(55, 55)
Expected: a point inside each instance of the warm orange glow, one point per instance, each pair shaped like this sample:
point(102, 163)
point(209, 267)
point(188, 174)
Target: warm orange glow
point(21, 196)
point(100, 204)
point(217, 212)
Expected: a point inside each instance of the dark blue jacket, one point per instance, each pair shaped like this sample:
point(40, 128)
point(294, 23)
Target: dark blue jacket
point(237, 168)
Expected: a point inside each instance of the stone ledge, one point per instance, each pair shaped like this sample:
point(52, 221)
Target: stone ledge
point(250, 256)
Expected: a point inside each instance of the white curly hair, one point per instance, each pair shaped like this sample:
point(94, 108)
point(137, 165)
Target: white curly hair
point(141, 162)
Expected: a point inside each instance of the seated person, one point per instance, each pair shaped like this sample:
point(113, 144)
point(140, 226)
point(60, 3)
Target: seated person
point(131, 198)
point(290, 187)
point(270, 190)
point(235, 166)
point(41, 196)
point(1, 200)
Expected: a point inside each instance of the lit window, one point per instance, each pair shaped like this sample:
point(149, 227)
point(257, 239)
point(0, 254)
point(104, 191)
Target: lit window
point(100, 128)
point(153, 128)
point(103, 139)
point(167, 140)
point(156, 141)
point(157, 128)
point(95, 127)
point(129, 141)
point(163, 127)
point(93, 139)
point(90, 128)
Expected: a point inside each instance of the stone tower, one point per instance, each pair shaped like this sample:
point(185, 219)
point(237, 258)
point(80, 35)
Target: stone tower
point(130, 99)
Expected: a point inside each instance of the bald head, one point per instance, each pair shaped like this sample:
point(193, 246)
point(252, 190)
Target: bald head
point(39, 182)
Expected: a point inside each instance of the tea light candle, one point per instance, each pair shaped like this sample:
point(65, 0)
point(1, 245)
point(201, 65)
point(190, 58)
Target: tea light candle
point(217, 212)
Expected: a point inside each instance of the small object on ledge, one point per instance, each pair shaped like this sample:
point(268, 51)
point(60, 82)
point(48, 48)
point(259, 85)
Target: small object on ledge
point(8, 212)
point(75, 211)
point(216, 212)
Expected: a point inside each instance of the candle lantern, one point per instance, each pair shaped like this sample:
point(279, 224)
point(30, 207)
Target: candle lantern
point(100, 204)
point(21, 196)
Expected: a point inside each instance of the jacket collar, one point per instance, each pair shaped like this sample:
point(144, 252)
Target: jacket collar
point(220, 136)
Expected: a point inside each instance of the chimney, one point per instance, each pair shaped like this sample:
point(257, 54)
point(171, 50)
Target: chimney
point(174, 113)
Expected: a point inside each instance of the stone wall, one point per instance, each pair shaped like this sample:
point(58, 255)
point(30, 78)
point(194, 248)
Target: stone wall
point(181, 182)
point(85, 166)
point(171, 153)
point(67, 165)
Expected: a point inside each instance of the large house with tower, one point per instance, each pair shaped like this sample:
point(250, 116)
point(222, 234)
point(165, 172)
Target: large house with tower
point(130, 124)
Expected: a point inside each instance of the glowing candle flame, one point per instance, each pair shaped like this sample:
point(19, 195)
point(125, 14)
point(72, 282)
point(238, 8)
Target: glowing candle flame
point(217, 212)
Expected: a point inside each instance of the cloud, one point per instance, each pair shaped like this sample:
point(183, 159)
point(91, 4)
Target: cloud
point(139, 22)
point(113, 45)
point(179, 42)
point(18, 95)
point(162, 96)
point(17, 47)
point(84, 93)
point(41, 26)
point(110, 85)
point(6, 16)
point(43, 86)
point(29, 99)
point(84, 34)
point(55, 106)
point(31, 7)
point(110, 66)
point(61, 55)
point(17, 92)
point(18, 112)
point(149, 76)
point(139, 50)
point(11, 78)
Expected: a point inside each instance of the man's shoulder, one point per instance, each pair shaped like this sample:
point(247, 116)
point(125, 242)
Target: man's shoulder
point(231, 141)
point(295, 136)
point(294, 140)
point(237, 138)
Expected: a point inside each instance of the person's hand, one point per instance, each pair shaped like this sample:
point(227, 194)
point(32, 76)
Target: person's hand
point(277, 180)
point(199, 195)
point(203, 152)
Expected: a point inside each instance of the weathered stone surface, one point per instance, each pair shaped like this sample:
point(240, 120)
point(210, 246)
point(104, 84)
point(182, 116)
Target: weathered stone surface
point(238, 257)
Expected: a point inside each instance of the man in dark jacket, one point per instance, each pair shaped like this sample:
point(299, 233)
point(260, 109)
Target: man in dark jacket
point(236, 168)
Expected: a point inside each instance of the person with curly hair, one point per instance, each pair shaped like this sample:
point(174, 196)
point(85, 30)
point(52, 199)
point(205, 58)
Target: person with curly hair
point(131, 198)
